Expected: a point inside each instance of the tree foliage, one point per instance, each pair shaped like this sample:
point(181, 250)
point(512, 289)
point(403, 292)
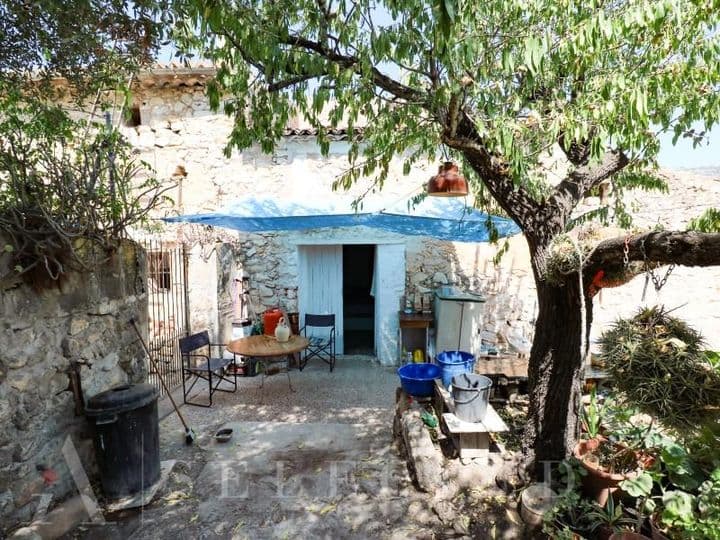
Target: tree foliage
point(65, 183)
point(592, 76)
point(69, 188)
point(89, 42)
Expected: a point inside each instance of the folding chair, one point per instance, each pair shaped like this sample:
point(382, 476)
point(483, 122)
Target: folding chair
point(320, 331)
point(202, 366)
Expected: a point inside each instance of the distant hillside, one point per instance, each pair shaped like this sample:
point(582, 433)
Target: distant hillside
point(711, 172)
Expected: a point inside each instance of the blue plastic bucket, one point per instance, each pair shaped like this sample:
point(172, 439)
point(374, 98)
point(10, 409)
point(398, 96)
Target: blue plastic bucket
point(454, 363)
point(418, 379)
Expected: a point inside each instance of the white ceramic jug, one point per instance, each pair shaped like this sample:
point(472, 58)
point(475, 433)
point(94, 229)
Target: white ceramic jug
point(282, 330)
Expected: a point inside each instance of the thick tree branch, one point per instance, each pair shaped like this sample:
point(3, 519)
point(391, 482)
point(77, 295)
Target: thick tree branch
point(379, 79)
point(568, 193)
point(492, 170)
point(657, 247)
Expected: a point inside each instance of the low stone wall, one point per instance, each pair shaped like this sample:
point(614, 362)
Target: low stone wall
point(82, 319)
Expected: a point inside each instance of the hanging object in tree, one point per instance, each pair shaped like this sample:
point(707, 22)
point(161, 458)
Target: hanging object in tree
point(448, 182)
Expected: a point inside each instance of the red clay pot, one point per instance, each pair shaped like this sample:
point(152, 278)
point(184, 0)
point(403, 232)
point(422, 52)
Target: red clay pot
point(655, 531)
point(270, 321)
point(448, 182)
point(598, 483)
point(628, 535)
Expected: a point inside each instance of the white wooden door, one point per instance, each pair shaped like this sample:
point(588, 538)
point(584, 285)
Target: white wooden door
point(389, 287)
point(320, 285)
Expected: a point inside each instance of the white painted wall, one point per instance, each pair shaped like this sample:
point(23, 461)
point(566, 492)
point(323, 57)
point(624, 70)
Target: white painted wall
point(389, 287)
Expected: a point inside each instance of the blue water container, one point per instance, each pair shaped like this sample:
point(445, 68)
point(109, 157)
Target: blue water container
point(418, 379)
point(454, 363)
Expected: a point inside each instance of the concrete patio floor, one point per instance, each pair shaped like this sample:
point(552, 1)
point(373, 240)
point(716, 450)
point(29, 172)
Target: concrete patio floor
point(318, 462)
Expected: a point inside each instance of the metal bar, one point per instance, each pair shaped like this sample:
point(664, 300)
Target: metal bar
point(167, 309)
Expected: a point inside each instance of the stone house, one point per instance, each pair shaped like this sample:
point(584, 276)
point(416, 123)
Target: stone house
point(176, 132)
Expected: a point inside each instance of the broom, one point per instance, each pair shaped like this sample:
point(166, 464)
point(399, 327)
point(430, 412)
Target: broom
point(189, 433)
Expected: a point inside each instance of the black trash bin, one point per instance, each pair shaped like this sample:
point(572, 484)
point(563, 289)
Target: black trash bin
point(126, 438)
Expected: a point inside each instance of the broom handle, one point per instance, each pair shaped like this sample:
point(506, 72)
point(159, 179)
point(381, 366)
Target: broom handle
point(162, 381)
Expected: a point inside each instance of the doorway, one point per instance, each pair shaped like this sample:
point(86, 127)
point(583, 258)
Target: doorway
point(359, 298)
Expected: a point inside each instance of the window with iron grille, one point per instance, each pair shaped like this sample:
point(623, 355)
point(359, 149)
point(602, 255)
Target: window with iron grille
point(160, 270)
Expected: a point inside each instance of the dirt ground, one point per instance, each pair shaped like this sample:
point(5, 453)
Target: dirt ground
point(319, 462)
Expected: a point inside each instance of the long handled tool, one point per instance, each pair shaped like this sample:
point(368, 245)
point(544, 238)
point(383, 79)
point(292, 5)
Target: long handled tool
point(189, 433)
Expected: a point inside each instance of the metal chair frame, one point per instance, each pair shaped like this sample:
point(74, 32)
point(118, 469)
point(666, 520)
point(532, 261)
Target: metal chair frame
point(319, 347)
point(206, 368)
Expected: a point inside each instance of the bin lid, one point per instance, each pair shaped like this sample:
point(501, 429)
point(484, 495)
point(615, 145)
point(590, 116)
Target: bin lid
point(121, 398)
point(460, 296)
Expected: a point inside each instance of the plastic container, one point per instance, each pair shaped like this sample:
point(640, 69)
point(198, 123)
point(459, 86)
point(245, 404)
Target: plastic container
point(454, 363)
point(535, 501)
point(126, 438)
point(417, 379)
point(471, 394)
point(270, 321)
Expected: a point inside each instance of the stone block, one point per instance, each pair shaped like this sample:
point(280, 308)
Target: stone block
point(424, 458)
point(14, 359)
point(440, 278)
point(77, 325)
point(265, 292)
point(21, 380)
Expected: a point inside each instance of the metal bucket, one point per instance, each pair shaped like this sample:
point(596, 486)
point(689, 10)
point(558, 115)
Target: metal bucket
point(471, 394)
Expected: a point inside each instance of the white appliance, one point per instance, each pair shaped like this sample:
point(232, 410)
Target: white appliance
point(458, 321)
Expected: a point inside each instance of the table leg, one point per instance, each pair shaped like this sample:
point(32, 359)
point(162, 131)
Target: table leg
point(290, 358)
point(266, 364)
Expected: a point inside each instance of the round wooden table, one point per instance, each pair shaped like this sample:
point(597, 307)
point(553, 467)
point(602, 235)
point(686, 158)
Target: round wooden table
point(265, 346)
point(266, 350)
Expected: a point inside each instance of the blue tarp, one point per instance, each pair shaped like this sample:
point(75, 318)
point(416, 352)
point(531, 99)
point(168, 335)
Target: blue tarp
point(441, 218)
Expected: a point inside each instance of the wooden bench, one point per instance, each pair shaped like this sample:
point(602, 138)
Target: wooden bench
point(472, 439)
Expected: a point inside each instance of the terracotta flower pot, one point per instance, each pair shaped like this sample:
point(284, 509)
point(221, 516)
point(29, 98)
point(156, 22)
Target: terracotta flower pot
point(628, 535)
point(655, 532)
point(598, 483)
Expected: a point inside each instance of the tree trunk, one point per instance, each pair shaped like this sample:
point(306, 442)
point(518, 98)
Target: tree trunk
point(555, 371)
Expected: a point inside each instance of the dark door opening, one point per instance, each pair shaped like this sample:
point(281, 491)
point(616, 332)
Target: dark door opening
point(358, 299)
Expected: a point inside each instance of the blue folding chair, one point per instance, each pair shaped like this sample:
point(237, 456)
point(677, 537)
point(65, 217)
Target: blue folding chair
point(320, 332)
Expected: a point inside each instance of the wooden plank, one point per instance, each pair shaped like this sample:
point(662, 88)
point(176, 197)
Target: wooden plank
point(473, 445)
point(145, 496)
point(492, 423)
point(510, 366)
point(415, 320)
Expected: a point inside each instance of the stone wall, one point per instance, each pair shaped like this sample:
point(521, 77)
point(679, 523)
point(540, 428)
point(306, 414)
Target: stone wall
point(83, 319)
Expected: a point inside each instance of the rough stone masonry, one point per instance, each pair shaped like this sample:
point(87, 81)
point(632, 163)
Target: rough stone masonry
point(84, 318)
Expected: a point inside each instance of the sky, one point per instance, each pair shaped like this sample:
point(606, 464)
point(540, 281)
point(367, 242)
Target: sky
point(682, 155)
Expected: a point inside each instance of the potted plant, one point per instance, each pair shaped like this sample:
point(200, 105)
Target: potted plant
point(682, 515)
point(609, 519)
point(628, 535)
point(568, 519)
point(607, 461)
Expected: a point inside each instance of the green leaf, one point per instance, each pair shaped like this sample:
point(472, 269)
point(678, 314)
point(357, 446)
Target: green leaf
point(449, 6)
point(639, 486)
point(682, 471)
point(678, 506)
